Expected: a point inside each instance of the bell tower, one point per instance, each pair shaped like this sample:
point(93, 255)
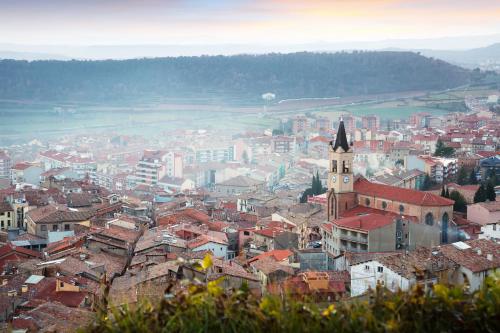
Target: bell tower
point(341, 196)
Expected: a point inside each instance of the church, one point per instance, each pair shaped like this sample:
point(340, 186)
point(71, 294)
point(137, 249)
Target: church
point(369, 217)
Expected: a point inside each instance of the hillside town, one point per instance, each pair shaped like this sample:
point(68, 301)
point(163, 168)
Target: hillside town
point(321, 207)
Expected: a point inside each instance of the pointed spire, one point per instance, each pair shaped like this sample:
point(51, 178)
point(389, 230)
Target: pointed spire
point(341, 139)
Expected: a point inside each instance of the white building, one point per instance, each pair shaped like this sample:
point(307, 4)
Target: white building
point(5, 165)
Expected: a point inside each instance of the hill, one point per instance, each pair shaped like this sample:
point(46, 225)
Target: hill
point(469, 58)
point(293, 75)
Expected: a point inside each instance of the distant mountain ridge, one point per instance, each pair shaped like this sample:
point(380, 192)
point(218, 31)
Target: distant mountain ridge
point(295, 75)
point(472, 57)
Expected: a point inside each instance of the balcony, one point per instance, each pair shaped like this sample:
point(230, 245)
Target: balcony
point(349, 248)
point(357, 239)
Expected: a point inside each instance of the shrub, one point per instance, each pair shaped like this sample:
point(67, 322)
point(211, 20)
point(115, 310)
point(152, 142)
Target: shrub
point(207, 309)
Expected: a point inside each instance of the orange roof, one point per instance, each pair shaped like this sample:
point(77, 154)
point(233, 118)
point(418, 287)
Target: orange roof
point(278, 255)
point(363, 186)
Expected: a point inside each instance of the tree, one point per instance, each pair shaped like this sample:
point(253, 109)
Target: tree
point(307, 193)
point(462, 177)
point(443, 150)
point(426, 184)
point(443, 192)
point(447, 194)
point(277, 132)
point(473, 177)
point(460, 204)
point(480, 195)
point(490, 192)
point(315, 189)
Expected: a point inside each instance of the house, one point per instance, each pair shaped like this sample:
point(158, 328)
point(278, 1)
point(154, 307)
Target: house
point(239, 185)
point(477, 259)
point(401, 271)
point(147, 284)
point(233, 275)
point(25, 173)
point(282, 256)
point(40, 221)
point(7, 216)
point(484, 212)
point(319, 286)
point(55, 315)
point(217, 245)
point(117, 240)
point(176, 184)
point(58, 174)
point(374, 232)
point(271, 271)
point(10, 254)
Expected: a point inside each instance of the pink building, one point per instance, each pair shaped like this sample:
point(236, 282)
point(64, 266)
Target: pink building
point(484, 212)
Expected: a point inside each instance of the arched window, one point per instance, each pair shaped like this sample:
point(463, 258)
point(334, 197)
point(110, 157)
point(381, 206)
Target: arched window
point(384, 205)
point(401, 209)
point(444, 228)
point(367, 202)
point(429, 219)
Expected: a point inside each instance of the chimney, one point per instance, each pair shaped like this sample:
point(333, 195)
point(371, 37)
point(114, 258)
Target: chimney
point(479, 251)
point(489, 256)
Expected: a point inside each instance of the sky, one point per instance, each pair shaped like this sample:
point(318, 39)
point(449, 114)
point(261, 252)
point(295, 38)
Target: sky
point(118, 22)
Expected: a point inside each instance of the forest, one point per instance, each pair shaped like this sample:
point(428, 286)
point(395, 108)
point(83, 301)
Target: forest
point(295, 75)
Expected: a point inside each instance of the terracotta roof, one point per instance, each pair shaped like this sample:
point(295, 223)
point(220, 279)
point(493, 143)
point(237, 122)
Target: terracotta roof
point(492, 206)
point(476, 257)
point(21, 166)
point(269, 265)
point(277, 255)
point(54, 317)
point(416, 262)
point(269, 232)
point(205, 239)
point(5, 207)
point(52, 213)
point(241, 181)
point(365, 187)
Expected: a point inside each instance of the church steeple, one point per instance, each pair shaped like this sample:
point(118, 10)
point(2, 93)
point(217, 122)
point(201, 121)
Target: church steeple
point(341, 139)
point(340, 175)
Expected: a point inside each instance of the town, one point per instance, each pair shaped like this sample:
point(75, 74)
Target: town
point(324, 206)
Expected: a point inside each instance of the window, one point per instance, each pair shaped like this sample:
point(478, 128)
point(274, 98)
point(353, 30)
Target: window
point(334, 166)
point(246, 233)
point(367, 268)
point(367, 202)
point(380, 269)
point(494, 226)
point(43, 227)
point(401, 208)
point(429, 219)
point(2, 224)
point(62, 284)
point(8, 214)
point(66, 227)
point(384, 205)
point(54, 227)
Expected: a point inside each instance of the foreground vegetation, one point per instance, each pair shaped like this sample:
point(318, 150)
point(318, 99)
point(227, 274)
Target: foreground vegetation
point(209, 309)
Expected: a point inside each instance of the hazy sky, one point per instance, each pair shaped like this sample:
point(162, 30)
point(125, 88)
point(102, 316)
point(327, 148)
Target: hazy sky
point(83, 22)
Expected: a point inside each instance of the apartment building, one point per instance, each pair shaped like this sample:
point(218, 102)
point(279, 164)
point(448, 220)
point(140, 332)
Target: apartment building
point(5, 165)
